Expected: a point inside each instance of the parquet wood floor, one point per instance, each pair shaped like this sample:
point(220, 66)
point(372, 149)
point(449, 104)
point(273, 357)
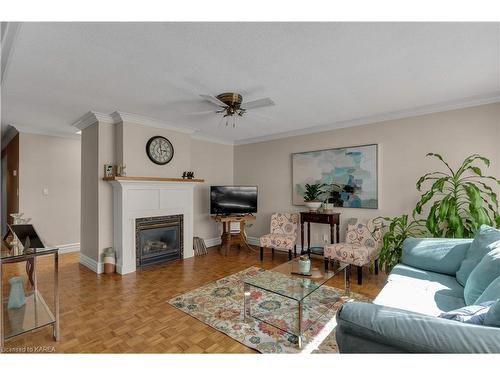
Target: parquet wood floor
point(130, 313)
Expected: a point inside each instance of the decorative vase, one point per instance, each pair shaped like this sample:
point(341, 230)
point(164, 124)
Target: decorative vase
point(313, 205)
point(109, 260)
point(17, 297)
point(328, 207)
point(304, 264)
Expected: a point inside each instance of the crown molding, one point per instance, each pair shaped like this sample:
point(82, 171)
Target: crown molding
point(119, 116)
point(30, 130)
point(10, 33)
point(90, 118)
point(474, 101)
point(208, 138)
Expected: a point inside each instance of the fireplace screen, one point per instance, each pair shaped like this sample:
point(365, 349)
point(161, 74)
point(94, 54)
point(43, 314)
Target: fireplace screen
point(158, 239)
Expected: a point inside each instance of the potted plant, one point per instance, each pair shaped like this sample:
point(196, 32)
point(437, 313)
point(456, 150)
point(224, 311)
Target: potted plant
point(460, 199)
point(397, 230)
point(312, 196)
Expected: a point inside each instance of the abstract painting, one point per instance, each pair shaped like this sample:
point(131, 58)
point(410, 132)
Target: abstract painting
point(350, 175)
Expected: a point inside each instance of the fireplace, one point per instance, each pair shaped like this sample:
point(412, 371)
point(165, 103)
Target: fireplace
point(158, 239)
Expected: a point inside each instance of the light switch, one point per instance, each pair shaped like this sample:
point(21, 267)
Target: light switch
point(14, 172)
point(45, 191)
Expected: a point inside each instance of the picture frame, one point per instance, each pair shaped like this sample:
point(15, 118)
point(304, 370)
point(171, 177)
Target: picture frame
point(109, 170)
point(350, 173)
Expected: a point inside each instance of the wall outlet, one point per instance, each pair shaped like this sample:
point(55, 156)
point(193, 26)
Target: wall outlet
point(45, 191)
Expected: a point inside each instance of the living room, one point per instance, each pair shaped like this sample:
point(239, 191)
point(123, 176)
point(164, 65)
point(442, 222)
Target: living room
point(250, 187)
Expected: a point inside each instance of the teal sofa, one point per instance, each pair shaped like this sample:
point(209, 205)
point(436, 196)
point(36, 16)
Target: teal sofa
point(430, 280)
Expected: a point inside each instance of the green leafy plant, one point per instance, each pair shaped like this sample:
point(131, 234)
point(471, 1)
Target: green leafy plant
point(313, 192)
point(398, 229)
point(461, 199)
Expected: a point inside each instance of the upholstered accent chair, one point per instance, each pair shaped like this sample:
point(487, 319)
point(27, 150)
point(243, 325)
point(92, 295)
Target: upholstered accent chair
point(361, 247)
point(283, 234)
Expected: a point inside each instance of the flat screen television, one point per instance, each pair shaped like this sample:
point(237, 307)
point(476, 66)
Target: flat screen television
point(233, 200)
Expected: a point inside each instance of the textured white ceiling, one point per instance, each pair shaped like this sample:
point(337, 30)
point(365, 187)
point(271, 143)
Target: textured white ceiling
point(317, 73)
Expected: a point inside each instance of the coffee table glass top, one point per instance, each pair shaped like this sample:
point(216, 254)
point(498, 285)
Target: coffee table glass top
point(282, 281)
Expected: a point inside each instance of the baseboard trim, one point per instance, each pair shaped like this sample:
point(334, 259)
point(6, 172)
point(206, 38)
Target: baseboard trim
point(210, 242)
point(69, 248)
point(253, 241)
point(91, 264)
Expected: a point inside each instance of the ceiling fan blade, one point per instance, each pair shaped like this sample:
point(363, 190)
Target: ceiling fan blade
point(264, 102)
point(214, 100)
point(202, 112)
point(256, 116)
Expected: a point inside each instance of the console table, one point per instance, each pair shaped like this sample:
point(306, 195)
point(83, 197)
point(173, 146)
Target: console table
point(332, 218)
point(228, 239)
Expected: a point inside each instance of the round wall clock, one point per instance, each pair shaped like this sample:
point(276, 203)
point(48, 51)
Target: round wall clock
point(159, 150)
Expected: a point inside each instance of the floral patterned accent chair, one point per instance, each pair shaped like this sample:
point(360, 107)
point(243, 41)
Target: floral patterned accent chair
point(283, 234)
point(361, 247)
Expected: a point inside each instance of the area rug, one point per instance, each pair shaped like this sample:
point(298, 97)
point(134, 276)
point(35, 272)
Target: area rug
point(220, 305)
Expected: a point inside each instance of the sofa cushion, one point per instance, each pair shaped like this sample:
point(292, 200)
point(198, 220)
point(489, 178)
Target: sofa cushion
point(403, 331)
point(491, 293)
point(479, 247)
point(482, 276)
point(421, 291)
point(432, 282)
point(493, 317)
point(474, 314)
point(435, 254)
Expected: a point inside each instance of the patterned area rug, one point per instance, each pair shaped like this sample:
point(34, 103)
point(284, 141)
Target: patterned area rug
point(220, 305)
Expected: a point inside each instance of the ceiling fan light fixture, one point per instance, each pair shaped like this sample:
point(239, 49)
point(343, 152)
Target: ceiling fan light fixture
point(229, 105)
point(231, 99)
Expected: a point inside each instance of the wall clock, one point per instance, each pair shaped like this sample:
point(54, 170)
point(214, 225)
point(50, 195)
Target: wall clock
point(159, 150)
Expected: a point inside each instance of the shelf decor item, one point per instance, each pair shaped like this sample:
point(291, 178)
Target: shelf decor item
point(17, 218)
point(109, 170)
point(120, 170)
point(17, 298)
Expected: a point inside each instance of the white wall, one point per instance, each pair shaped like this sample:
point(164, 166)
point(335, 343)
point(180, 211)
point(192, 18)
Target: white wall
point(403, 145)
point(214, 163)
point(89, 230)
point(133, 147)
point(52, 163)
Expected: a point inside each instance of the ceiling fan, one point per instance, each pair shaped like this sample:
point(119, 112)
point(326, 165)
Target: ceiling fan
point(231, 105)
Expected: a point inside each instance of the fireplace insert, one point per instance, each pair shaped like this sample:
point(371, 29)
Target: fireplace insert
point(158, 239)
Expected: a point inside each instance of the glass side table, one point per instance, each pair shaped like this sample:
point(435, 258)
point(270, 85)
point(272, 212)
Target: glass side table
point(36, 312)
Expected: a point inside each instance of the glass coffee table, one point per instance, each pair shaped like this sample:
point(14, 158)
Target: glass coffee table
point(292, 302)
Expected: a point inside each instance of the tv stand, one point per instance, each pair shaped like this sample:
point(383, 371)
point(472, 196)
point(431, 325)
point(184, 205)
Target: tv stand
point(227, 238)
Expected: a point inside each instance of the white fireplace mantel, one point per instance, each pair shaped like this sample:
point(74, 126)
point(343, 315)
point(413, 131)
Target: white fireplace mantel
point(136, 197)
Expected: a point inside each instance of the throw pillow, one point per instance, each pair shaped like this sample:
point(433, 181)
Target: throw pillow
point(479, 247)
point(493, 316)
point(482, 276)
point(474, 314)
point(492, 292)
